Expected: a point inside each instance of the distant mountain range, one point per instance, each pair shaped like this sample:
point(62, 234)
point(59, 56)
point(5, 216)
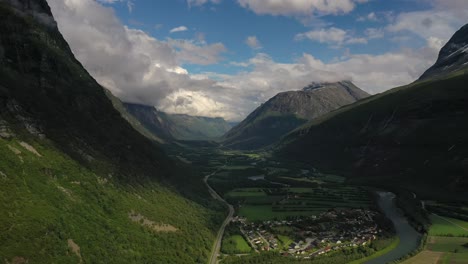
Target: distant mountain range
point(289, 110)
point(413, 137)
point(177, 126)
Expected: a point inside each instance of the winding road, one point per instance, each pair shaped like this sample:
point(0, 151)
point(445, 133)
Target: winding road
point(219, 237)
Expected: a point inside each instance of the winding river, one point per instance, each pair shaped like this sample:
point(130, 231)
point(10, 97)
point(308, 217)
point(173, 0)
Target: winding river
point(409, 237)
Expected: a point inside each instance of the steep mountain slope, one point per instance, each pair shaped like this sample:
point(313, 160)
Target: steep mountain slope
point(286, 111)
point(176, 126)
point(135, 123)
point(413, 137)
point(40, 79)
point(452, 57)
point(77, 182)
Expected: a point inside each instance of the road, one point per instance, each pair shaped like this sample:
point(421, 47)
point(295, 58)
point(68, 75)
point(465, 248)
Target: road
point(219, 237)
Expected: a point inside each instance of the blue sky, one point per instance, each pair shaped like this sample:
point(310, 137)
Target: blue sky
point(226, 57)
point(229, 23)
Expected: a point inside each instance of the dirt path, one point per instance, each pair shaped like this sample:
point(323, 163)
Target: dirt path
point(217, 245)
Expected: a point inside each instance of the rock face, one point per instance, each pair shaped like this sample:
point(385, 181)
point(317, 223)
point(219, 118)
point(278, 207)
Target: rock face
point(176, 126)
point(452, 57)
point(287, 111)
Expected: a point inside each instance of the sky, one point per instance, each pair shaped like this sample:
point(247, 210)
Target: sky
point(224, 58)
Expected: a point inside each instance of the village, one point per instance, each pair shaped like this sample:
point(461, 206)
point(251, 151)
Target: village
point(307, 237)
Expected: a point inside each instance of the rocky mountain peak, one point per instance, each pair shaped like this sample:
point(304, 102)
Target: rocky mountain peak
point(452, 57)
point(318, 85)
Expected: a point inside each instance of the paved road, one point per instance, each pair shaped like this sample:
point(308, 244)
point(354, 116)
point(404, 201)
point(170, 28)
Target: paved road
point(219, 237)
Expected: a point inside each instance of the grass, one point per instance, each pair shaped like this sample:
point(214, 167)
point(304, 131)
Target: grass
point(447, 244)
point(265, 212)
point(235, 244)
point(425, 257)
point(445, 226)
point(285, 241)
point(441, 250)
point(382, 252)
point(246, 192)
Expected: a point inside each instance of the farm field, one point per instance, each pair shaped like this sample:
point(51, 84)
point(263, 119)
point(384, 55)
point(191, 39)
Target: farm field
point(441, 250)
point(258, 204)
point(445, 226)
point(265, 212)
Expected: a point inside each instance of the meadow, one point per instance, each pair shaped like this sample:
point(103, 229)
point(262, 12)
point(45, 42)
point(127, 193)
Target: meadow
point(446, 226)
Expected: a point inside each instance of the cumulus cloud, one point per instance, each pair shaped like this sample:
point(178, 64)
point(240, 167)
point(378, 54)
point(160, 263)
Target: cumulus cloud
point(331, 35)
point(253, 42)
point(133, 65)
point(300, 7)
point(178, 29)
point(139, 68)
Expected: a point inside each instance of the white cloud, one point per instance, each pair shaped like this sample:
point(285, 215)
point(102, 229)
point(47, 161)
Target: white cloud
point(141, 69)
point(253, 42)
point(192, 52)
point(374, 33)
point(178, 29)
point(372, 16)
point(300, 7)
point(133, 65)
point(130, 3)
point(334, 36)
point(201, 2)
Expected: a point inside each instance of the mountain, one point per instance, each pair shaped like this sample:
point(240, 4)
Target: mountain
point(413, 137)
point(452, 57)
point(78, 184)
point(287, 111)
point(178, 126)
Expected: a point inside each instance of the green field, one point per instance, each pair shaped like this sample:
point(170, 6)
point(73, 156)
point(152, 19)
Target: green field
point(442, 250)
point(447, 244)
point(445, 226)
point(265, 212)
point(246, 192)
point(235, 244)
point(257, 204)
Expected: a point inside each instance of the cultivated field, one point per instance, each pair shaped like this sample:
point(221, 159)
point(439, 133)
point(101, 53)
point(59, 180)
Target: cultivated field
point(445, 226)
point(441, 250)
point(280, 203)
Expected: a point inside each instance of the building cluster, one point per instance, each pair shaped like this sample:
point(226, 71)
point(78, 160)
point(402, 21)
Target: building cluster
point(312, 236)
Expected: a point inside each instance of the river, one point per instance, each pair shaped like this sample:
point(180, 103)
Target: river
point(409, 237)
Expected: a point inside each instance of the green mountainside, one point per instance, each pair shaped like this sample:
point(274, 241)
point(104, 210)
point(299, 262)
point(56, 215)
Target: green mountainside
point(78, 184)
point(289, 110)
point(413, 137)
point(178, 126)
